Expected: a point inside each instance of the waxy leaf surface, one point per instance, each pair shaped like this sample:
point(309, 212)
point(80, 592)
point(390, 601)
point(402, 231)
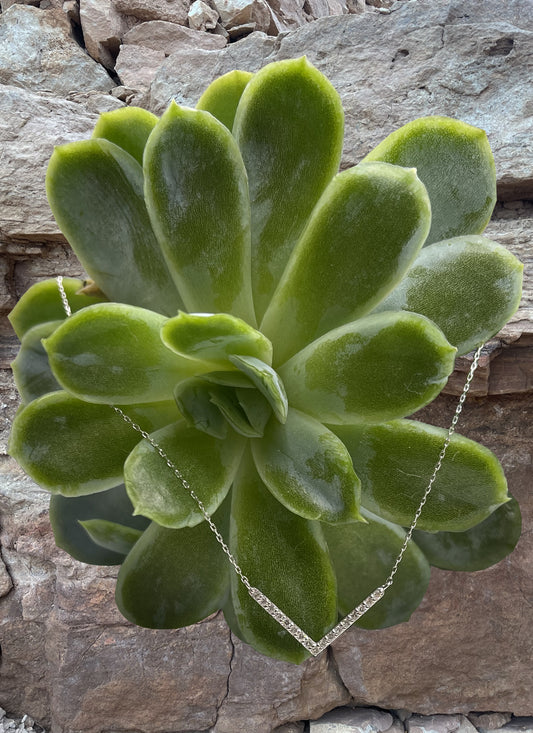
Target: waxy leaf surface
point(209, 466)
point(222, 96)
point(286, 558)
point(381, 367)
point(267, 382)
point(308, 469)
point(111, 535)
point(113, 353)
point(468, 286)
point(212, 338)
point(31, 370)
point(127, 127)
point(362, 236)
point(95, 191)
point(363, 556)
point(73, 447)
point(197, 196)
point(454, 162)
point(42, 303)
point(173, 578)
point(289, 127)
point(226, 400)
point(396, 460)
point(66, 513)
point(477, 548)
point(193, 397)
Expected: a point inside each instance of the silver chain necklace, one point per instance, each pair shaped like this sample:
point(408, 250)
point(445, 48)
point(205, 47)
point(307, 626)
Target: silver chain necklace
point(314, 647)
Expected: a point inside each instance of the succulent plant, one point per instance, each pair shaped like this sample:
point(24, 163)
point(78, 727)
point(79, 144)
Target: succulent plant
point(270, 323)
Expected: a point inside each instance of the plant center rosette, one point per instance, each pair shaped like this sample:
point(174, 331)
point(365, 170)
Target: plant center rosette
point(270, 323)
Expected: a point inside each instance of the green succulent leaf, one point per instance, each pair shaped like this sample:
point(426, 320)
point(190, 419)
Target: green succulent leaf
point(289, 127)
point(363, 556)
point(225, 398)
point(267, 382)
point(222, 96)
point(381, 367)
point(256, 408)
point(193, 397)
point(478, 548)
point(469, 286)
point(395, 461)
point(308, 469)
point(361, 239)
point(127, 127)
point(113, 353)
point(455, 163)
point(286, 558)
point(213, 338)
point(67, 513)
point(42, 303)
point(73, 447)
point(31, 370)
point(197, 196)
point(173, 578)
point(229, 379)
point(111, 535)
point(95, 191)
point(209, 466)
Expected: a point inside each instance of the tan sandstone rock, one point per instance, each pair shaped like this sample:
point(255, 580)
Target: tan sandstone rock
point(170, 37)
point(174, 11)
point(103, 28)
point(38, 52)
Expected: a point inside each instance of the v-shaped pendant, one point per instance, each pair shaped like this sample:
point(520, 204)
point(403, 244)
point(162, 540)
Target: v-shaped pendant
point(315, 647)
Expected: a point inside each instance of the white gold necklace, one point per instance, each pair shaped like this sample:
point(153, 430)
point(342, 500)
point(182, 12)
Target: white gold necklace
point(314, 647)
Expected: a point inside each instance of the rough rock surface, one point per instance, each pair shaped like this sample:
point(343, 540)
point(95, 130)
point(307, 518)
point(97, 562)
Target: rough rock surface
point(103, 28)
point(136, 66)
point(170, 37)
point(37, 52)
point(68, 658)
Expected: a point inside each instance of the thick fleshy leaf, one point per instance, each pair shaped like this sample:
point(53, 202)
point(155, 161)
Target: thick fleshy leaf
point(207, 464)
point(381, 367)
point(174, 577)
point(72, 447)
point(66, 513)
point(284, 556)
point(113, 353)
point(469, 286)
point(127, 127)
point(222, 96)
point(289, 127)
point(95, 191)
point(193, 397)
point(197, 196)
point(226, 400)
point(213, 337)
point(31, 370)
point(455, 163)
point(395, 461)
point(478, 548)
point(42, 303)
point(362, 237)
point(229, 379)
point(363, 556)
point(111, 535)
point(256, 407)
point(267, 382)
point(308, 469)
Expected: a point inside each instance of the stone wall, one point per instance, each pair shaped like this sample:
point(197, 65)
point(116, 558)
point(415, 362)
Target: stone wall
point(68, 658)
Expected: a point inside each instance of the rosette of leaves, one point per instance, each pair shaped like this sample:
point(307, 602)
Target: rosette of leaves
point(270, 323)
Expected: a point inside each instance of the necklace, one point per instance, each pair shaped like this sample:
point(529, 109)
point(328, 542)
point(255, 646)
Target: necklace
point(312, 646)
